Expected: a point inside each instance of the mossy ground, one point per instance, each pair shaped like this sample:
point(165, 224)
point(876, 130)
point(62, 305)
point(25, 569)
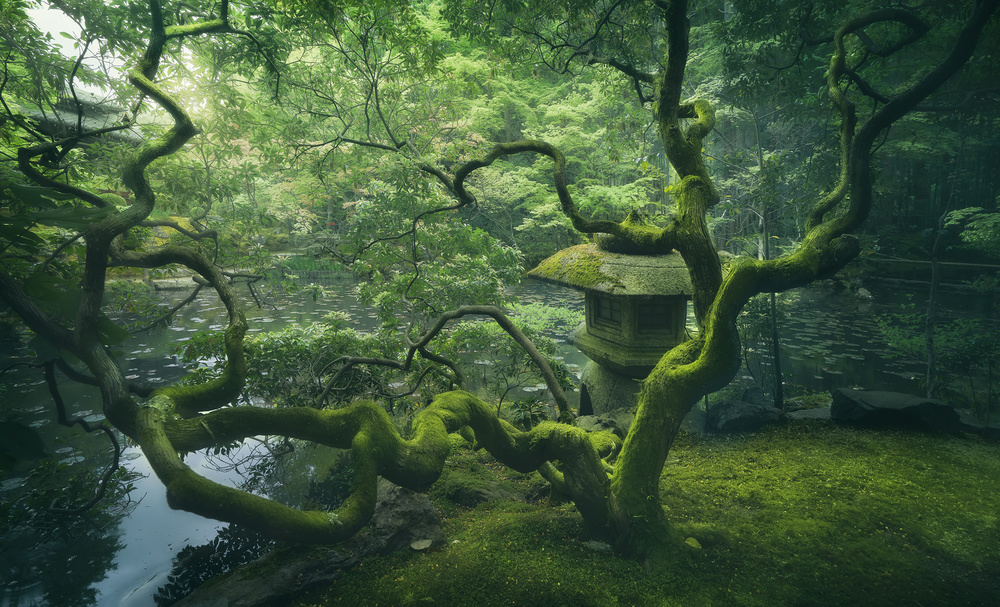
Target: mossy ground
point(805, 514)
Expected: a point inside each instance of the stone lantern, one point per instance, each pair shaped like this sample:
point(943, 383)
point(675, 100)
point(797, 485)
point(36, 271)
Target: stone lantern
point(636, 310)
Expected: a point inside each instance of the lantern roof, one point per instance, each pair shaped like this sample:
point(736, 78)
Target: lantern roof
point(588, 268)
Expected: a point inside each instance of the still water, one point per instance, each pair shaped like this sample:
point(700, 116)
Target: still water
point(122, 556)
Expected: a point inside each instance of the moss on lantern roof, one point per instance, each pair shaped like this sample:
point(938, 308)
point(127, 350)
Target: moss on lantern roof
point(588, 268)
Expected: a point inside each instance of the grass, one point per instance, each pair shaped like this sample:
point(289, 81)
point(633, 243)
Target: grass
point(808, 514)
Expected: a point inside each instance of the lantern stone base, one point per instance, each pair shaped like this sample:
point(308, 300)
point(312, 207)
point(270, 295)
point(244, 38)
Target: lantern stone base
point(602, 391)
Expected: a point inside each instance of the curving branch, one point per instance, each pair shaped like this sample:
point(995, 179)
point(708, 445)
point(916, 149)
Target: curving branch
point(44, 325)
point(551, 381)
point(138, 388)
point(176, 226)
point(24, 162)
point(644, 236)
point(377, 450)
point(347, 363)
point(222, 390)
point(569, 207)
point(166, 316)
point(420, 346)
point(856, 149)
point(102, 488)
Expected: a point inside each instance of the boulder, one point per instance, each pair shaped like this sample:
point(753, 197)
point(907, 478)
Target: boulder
point(402, 518)
point(731, 416)
point(694, 422)
point(755, 396)
point(599, 423)
point(469, 488)
point(876, 409)
point(814, 413)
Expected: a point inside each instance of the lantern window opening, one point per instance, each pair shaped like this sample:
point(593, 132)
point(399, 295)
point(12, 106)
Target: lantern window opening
point(656, 317)
point(608, 310)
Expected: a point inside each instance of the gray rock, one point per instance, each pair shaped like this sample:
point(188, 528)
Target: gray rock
point(694, 421)
point(730, 416)
point(876, 409)
point(402, 517)
point(623, 418)
point(471, 496)
point(755, 396)
point(599, 423)
point(817, 413)
point(598, 546)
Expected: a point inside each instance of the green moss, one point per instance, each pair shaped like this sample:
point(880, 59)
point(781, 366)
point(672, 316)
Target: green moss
point(574, 267)
point(640, 238)
point(808, 514)
point(471, 477)
point(589, 267)
point(190, 399)
point(864, 518)
point(161, 402)
point(504, 553)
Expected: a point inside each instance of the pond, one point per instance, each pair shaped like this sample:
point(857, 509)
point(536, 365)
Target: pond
point(121, 556)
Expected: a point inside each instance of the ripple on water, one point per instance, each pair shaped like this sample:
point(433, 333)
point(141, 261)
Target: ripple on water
point(12, 483)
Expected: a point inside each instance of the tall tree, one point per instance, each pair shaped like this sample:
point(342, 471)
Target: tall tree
point(614, 485)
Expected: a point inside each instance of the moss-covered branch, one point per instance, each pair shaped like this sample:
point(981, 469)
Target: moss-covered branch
point(551, 381)
point(222, 390)
point(856, 149)
point(378, 450)
point(83, 338)
point(629, 230)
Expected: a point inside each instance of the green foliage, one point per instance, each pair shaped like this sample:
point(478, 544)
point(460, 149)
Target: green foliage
point(290, 367)
point(968, 352)
point(501, 366)
point(133, 304)
point(526, 413)
point(420, 262)
point(979, 229)
point(30, 207)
